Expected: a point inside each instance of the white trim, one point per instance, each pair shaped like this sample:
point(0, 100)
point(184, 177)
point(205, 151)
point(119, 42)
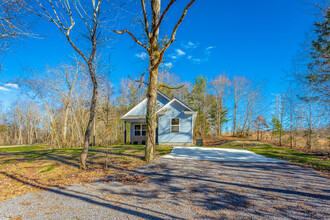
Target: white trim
point(175, 125)
point(144, 100)
point(139, 130)
point(134, 108)
point(189, 113)
point(184, 105)
point(162, 94)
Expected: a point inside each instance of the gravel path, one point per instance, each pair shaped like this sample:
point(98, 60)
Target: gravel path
point(187, 189)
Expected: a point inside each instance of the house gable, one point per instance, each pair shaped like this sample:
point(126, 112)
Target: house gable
point(175, 109)
point(168, 105)
point(140, 110)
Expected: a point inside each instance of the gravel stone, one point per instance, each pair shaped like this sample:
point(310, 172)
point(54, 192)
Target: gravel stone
point(186, 189)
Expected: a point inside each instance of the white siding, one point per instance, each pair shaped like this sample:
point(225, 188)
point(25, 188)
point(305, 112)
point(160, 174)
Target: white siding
point(175, 110)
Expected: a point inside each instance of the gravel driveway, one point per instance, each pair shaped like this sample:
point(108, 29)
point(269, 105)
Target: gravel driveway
point(187, 189)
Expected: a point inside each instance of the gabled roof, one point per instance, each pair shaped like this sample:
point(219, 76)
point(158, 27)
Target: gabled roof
point(178, 101)
point(135, 107)
point(144, 102)
point(162, 94)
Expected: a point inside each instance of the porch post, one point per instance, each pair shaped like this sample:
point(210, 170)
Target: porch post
point(125, 132)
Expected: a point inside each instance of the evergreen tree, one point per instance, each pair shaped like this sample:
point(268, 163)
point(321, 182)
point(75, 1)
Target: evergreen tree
point(198, 101)
point(319, 65)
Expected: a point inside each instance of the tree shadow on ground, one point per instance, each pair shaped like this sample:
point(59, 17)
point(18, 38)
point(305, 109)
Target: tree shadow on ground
point(105, 203)
point(200, 186)
point(67, 156)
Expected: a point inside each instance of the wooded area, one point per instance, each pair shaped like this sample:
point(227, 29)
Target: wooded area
point(59, 115)
point(67, 104)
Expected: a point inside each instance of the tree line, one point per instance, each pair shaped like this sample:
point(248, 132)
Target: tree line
point(55, 109)
point(72, 102)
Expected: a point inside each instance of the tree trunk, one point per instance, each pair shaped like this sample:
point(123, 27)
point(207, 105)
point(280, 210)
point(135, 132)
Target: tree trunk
point(88, 132)
point(151, 111)
point(65, 126)
point(309, 139)
point(154, 58)
point(220, 115)
point(234, 118)
point(291, 131)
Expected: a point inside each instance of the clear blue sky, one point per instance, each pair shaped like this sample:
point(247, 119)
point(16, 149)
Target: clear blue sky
point(256, 39)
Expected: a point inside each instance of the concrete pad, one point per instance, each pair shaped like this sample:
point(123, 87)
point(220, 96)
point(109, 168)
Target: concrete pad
point(219, 154)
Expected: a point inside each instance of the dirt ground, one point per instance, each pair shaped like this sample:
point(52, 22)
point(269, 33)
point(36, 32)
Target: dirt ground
point(29, 169)
point(185, 189)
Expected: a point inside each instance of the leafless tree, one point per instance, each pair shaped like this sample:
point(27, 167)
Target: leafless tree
point(252, 97)
point(238, 92)
point(313, 112)
point(156, 49)
point(172, 80)
point(13, 24)
point(291, 112)
point(219, 86)
point(76, 20)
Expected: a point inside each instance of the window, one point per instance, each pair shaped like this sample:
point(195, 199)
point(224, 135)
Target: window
point(137, 130)
point(144, 130)
point(175, 125)
point(140, 130)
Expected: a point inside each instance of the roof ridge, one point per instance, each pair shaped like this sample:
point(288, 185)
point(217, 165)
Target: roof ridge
point(165, 96)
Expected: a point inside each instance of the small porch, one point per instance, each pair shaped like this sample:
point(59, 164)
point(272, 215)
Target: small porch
point(138, 132)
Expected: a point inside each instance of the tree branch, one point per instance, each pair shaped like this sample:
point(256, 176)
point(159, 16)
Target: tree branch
point(163, 85)
point(172, 39)
point(164, 13)
point(139, 81)
point(146, 24)
point(134, 38)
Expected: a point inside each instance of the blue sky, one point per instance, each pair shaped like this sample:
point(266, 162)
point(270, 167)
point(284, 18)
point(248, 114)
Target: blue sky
point(256, 39)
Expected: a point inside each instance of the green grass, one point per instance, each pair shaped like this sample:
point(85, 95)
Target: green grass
point(41, 152)
point(120, 151)
point(18, 149)
point(319, 163)
point(48, 169)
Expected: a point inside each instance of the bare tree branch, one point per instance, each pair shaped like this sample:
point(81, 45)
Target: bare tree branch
point(163, 85)
point(146, 24)
point(172, 39)
point(134, 38)
point(164, 13)
point(139, 81)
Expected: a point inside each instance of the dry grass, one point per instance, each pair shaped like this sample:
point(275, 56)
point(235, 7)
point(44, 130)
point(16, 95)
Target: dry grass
point(32, 168)
point(320, 162)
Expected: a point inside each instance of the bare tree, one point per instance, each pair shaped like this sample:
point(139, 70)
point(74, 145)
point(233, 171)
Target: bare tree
point(167, 81)
point(282, 114)
point(219, 86)
point(291, 112)
point(13, 23)
point(156, 50)
point(252, 97)
point(280, 106)
point(78, 20)
point(314, 111)
point(238, 92)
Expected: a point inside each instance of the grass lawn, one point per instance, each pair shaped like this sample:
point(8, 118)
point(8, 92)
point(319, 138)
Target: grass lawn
point(317, 162)
point(31, 168)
